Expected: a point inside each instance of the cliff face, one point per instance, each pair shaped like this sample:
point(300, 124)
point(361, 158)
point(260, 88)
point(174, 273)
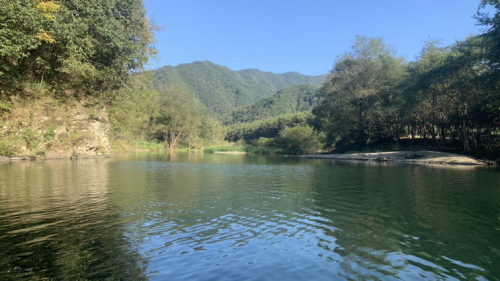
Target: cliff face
point(49, 130)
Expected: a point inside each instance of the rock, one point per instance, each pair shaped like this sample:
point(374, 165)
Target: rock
point(58, 131)
point(406, 157)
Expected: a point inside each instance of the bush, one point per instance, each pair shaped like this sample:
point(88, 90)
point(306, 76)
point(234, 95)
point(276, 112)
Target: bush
point(265, 142)
point(7, 148)
point(300, 139)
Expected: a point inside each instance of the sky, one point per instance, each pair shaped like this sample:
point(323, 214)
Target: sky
point(306, 36)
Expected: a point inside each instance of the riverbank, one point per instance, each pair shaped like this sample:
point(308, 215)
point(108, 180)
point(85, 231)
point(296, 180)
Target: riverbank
point(4, 159)
point(408, 157)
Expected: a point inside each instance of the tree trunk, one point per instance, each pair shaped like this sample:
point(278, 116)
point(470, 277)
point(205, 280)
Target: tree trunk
point(432, 130)
point(443, 135)
point(361, 129)
point(465, 138)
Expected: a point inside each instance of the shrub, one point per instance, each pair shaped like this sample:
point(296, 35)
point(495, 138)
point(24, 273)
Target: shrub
point(300, 139)
point(7, 148)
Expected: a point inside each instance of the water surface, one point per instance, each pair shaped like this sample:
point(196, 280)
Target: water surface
point(240, 217)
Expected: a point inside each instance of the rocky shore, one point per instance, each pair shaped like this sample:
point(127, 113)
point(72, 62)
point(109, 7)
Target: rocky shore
point(408, 157)
point(72, 157)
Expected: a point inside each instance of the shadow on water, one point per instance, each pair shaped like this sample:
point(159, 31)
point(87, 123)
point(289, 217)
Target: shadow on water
point(412, 222)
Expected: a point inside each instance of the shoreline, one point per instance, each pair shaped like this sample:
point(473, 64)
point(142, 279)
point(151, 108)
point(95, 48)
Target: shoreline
point(408, 157)
point(230, 152)
point(4, 159)
point(390, 157)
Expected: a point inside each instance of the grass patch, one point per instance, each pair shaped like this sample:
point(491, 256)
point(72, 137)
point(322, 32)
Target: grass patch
point(261, 150)
point(226, 148)
point(148, 145)
point(251, 149)
point(137, 145)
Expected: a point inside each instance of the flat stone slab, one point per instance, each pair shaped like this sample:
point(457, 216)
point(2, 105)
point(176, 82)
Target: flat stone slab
point(407, 157)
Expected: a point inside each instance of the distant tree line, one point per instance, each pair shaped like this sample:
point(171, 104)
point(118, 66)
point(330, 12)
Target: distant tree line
point(289, 100)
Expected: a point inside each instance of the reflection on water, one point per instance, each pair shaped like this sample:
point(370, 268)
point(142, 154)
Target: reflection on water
point(55, 223)
point(237, 217)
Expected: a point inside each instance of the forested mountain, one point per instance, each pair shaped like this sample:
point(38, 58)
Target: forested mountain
point(286, 101)
point(221, 89)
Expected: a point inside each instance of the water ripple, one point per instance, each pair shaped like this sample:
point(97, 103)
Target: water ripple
point(235, 220)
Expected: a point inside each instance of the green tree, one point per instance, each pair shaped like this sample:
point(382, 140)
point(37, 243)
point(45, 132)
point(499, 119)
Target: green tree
point(133, 107)
point(358, 91)
point(492, 36)
point(424, 105)
point(105, 41)
point(26, 34)
point(73, 47)
point(491, 44)
point(450, 92)
point(267, 128)
point(211, 131)
point(178, 117)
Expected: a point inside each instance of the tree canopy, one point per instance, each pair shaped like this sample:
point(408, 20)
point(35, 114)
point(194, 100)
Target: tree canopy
point(356, 93)
point(449, 95)
point(74, 46)
point(492, 36)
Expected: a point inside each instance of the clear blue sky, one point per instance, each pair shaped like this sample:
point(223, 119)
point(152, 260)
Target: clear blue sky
point(306, 36)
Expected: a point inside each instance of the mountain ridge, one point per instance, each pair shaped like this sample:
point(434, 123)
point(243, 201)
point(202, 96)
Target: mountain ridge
point(221, 89)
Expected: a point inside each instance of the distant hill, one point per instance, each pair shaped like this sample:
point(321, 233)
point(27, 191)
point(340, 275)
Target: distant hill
point(221, 89)
point(289, 100)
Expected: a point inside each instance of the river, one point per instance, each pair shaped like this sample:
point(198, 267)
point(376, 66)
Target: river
point(242, 217)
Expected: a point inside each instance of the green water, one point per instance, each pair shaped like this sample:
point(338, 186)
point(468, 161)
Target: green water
point(239, 217)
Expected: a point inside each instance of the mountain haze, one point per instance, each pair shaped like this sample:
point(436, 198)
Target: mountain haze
point(221, 89)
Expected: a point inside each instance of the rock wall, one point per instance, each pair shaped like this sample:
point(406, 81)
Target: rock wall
point(51, 131)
